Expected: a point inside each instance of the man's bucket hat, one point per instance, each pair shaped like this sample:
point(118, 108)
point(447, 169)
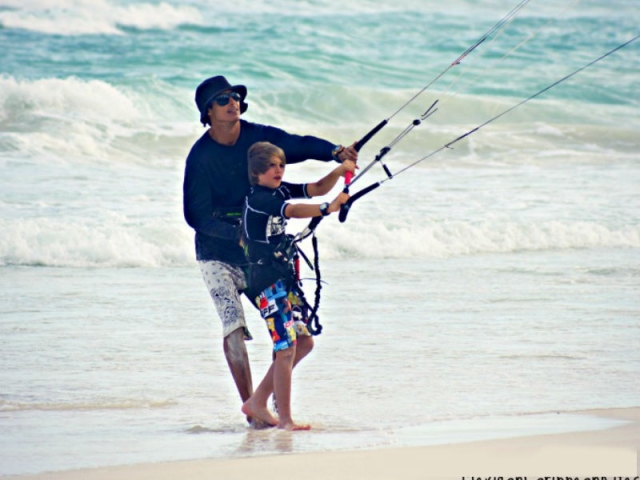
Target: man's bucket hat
point(211, 88)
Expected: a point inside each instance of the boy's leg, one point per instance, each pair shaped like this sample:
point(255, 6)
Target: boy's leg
point(256, 405)
point(275, 308)
point(305, 341)
point(277, 380)
point(282, 386)
point(303, 348)
point(303, 336)
point(261, 395)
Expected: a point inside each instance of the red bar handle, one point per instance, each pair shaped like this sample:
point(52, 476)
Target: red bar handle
point(347, 178)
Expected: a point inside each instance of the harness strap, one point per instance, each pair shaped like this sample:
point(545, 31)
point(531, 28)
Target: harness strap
point(288, 253)
point(313, 316)
point(313, 320)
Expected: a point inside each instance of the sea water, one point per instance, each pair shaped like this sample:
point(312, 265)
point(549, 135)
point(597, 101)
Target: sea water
point(476, 294)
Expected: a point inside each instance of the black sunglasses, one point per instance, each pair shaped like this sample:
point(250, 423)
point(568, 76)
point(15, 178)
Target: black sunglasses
point(223, 99)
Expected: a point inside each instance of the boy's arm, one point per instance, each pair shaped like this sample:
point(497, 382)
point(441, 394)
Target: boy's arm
point(326, 183)
point(306, 210)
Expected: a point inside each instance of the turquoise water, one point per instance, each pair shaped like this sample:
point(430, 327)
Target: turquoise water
point(498, 279)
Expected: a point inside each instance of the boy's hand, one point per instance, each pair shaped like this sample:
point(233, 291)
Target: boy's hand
point(341, 199)
point(347, 166)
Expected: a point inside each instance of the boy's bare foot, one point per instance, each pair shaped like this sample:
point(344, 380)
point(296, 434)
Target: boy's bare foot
point(259, 414)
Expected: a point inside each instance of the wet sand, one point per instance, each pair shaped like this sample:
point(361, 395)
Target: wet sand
point(602, 453)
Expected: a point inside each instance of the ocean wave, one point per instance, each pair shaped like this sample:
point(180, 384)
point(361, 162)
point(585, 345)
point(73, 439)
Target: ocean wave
point(73, 118)
point(112, 244)
point(109, 243)
point(450, 238)
point(565, 122)
point(94, 17)
point(313, 8)
point(70, 118)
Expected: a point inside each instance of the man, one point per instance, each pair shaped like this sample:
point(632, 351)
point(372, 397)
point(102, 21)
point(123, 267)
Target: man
point(215, 185)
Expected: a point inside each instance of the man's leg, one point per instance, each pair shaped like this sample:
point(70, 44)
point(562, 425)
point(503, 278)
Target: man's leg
point(235, 352)
point(224, 282)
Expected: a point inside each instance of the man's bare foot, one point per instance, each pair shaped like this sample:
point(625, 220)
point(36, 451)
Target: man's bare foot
point(260, 425)
point(293, 427)
point(259, 414)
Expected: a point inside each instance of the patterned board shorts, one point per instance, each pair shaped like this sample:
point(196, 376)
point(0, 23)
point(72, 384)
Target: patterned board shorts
point(283, 312)
point(225, 282)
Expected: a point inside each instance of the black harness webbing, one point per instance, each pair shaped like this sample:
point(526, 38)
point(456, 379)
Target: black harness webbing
point(313, 320)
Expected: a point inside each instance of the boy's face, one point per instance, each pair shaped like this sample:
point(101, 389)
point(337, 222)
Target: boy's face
point(272, 178)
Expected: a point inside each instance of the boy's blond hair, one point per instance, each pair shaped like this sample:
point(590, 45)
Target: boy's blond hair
point(259, 158)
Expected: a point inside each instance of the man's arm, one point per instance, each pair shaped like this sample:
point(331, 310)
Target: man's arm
point(198, 207)
point(298, 148)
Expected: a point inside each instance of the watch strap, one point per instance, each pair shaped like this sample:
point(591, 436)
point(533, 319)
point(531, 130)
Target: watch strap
point(337, 151)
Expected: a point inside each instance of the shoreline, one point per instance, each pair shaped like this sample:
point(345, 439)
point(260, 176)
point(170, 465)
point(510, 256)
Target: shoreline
point(607, 452)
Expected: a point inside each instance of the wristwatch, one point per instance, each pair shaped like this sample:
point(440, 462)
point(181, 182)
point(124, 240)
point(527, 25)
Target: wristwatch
point(336, 151)
point(324, 209)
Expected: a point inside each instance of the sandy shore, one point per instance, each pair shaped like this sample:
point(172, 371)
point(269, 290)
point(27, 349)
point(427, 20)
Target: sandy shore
point(603, 453)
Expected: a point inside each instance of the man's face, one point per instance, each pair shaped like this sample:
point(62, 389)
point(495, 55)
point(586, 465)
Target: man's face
point(225, 107)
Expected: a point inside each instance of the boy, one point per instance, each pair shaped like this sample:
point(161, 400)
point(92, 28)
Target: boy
point(271, 278)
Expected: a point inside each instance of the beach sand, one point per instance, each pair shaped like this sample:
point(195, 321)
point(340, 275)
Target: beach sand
point(603, 453)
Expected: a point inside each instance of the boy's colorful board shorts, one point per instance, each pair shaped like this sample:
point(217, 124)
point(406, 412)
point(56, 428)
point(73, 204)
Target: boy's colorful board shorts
point(283, 312)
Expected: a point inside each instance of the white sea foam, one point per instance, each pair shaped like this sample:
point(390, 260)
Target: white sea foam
point(112, 242)
point(456, 238)
point(7, 406)
point(83, 17)
point(25, 102)
point(115, 242)
point(70, 118)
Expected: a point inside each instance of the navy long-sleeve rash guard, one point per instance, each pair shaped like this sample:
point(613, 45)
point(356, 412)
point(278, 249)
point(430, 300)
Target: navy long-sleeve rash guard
point(216, 178)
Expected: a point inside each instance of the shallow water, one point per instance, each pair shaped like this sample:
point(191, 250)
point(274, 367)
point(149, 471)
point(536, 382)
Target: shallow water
point(130, 370)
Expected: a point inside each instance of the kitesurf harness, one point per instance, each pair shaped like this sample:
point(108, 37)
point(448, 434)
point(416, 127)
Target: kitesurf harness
point(285, 262)
point(288, 253)
point(286, 259)
point(230, 215)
